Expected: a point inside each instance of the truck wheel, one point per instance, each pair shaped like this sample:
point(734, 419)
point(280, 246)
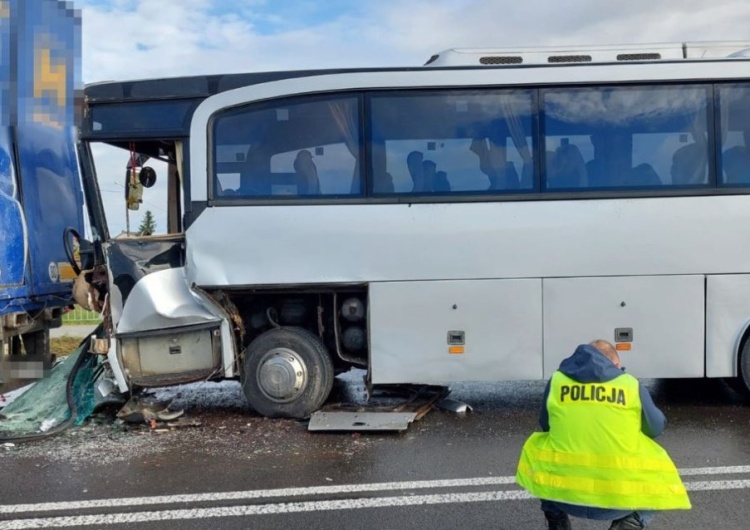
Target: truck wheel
point(15, 346)
point(37, 343)
point(287, 373)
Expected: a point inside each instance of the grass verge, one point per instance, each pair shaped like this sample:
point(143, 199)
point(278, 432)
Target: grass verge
point(63, 346)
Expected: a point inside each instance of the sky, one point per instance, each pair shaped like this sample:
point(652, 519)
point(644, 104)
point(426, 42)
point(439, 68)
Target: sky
point(137, 39)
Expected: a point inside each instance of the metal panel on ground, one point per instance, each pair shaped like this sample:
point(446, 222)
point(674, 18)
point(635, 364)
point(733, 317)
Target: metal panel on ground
point(663, 316)
point(360, 421)
point(438, 331)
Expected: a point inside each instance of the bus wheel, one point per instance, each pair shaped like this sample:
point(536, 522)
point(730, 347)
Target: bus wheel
point(742, 381)
point(287, 373)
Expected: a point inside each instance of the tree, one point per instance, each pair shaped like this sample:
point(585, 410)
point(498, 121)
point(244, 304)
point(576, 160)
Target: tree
point(148, 224)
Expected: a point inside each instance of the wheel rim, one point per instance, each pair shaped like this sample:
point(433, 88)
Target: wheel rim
point(282, 375)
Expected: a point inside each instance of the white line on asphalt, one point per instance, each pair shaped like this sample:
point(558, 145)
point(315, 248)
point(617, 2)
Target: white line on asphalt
point(315, 490)
point(263, 509)
point(256, 494)
point(714, 470)
point(717, 485)
point(297, 507)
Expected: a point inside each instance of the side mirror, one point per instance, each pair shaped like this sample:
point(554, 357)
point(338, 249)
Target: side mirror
point(80, 252)
point(147, 176)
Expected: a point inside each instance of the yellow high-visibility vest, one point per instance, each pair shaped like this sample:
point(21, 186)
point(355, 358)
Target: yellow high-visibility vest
point(595, 453)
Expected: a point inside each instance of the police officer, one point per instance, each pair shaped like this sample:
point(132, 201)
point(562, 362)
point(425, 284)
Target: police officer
point(596, 457)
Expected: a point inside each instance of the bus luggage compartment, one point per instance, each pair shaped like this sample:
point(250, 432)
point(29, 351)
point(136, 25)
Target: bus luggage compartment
point(662, 316)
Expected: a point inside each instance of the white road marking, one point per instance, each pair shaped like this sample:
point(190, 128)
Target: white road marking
point(717, 485)
point(306, 506)
point(263, 509)
point(714, 470)
point(256, 494)
point(297, 492)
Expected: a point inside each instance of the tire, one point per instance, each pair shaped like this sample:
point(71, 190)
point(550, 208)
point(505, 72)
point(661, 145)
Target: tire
point(37, 344)
point(741, 383)
point(15, 346)
point(287, 373)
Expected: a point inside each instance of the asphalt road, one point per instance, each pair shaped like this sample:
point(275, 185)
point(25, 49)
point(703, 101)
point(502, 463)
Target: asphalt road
point(447, 471)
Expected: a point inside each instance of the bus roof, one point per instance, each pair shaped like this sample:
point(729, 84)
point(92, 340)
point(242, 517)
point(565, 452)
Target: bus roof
point(588, 54)
point(160, 109)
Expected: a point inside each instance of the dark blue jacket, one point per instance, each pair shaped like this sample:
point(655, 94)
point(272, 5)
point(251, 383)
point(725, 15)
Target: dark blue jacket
point(588, 365)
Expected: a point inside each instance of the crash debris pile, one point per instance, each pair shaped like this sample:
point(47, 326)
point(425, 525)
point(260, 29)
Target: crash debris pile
point(49, 405)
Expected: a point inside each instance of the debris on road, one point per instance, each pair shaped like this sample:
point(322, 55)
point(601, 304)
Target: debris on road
point(53, 403)
point(9, 397)
point(179, 423)
point(453, 405)
point(143, 410)
point(390, 408)
point(360, 421)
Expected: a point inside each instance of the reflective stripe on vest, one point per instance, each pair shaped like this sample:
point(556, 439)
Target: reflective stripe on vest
point(595, 453)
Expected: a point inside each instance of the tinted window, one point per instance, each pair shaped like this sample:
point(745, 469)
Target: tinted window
point(625, 137)
point(734, 137)
point(456, 142)
point(291, 148)
point(148, 119)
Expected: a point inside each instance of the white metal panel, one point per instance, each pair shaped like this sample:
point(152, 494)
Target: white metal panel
point(307, 244)
point(727, 317)
point(409, 324)
point(162, 300)
point(666, 314)
point(153, 355)
point(588, 73)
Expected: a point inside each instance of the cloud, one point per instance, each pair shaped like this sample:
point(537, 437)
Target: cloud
point(133, 39)
point(126, 39)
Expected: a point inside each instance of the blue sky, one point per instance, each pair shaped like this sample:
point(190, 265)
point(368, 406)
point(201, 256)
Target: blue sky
point(243, 35)
point(135, 39)
point(267, 17)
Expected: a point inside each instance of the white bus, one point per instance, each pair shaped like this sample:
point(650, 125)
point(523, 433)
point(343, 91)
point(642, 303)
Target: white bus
point(473, 219)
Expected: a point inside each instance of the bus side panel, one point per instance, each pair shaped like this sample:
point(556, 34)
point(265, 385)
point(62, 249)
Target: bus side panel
point(727, 316)
point(414, 325)
point(666, 315)
point(345, 243)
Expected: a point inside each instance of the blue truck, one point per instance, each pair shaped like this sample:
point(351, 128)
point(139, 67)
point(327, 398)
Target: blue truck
point(41, 194)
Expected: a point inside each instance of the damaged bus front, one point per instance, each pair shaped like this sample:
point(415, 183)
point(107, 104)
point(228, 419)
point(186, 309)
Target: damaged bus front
point(157, 331)
point(161, 327)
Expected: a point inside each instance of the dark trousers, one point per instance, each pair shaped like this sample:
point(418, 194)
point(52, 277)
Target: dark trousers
point(557, 509)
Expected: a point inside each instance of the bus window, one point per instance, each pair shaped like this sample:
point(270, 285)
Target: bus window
point(452, 142)
point(298, 147)
point(334, 164)
point(734, 121)
point(625, 137)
